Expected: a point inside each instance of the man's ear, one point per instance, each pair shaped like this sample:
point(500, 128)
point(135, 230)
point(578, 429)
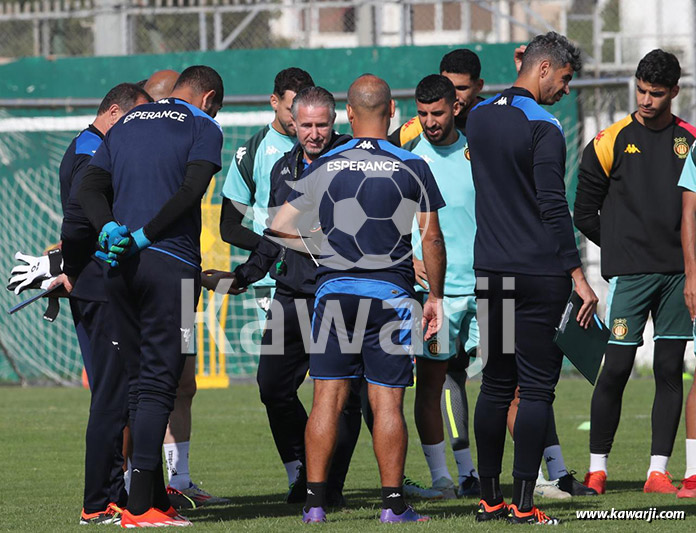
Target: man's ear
point(392, 108)
point(674, 91)
point(544, 68)
point(208, 98)
point(275, 100)
point(115, 113)
point(351, 115)
point(456, 107)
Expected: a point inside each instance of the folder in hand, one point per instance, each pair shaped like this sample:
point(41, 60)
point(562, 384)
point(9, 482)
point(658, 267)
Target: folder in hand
point(583, 347)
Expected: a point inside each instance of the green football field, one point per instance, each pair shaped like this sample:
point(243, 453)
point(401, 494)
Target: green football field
point(232, 454)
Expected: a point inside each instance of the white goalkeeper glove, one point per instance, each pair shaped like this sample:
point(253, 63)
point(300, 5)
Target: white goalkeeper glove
point(35, 272)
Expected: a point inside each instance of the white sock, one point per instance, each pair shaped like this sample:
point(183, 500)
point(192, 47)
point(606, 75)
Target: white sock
point(598, 461)
point(176, 455)
point(540, 476)
point(465, 466)
point(293, 470)
point(658, 463)
point(554, 462)
point(436, 459)
point(690, 458)
point(127, 476)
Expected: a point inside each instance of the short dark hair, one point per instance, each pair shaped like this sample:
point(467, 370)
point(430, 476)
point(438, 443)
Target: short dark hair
point(461, 61)
point(554, 47)
point(659, 68)
point(291, 79)
point(314, 96)
point(124, 95)
point(435, 87)
point(202, 79)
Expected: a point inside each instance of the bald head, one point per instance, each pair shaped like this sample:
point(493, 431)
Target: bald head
point(161, 83)
point(370, 96)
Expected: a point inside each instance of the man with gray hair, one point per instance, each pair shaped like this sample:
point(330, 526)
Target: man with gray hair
point(283, 364)
point(524, 249)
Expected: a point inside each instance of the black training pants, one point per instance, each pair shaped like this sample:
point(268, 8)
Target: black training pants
point(536, 302)
point(282, 369)
point(108, 411)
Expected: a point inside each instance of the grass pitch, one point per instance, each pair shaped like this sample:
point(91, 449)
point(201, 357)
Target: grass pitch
point(232, 454)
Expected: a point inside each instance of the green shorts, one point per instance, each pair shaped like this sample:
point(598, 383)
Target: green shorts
point(459, 330)
point(632, 298)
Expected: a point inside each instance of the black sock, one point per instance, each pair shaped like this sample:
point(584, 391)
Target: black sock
point(160, 499)
point(393, 498)
point(523, 494)
point(490, 490)
point(140, 496)
point(316, 495)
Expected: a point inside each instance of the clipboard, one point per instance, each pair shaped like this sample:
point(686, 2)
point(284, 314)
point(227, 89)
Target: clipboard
point(583, 347)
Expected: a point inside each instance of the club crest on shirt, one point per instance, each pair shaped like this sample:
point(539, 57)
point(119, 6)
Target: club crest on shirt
point(681, 147)
point(619, 329)
point(434, 347)
point(467, 154)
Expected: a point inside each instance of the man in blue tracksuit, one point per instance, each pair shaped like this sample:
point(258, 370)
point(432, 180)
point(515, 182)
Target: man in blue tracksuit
point(93, 318)
point(524, 249)
point(156, 164)
point(281, 374)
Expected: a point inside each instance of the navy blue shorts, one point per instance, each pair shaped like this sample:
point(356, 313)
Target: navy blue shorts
point(362, 328)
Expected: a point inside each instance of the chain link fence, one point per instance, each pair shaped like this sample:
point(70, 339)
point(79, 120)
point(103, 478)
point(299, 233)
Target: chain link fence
point(76, 27)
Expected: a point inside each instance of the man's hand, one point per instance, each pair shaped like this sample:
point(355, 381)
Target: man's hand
point(114, 239)
point(210, 279)
point(589, 298)
point(63, 279)
point(433, 316)
point(690, 294)
point(421, 275)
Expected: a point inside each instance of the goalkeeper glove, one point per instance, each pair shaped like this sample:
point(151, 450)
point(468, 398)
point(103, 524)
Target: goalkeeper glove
point(138, 241)
point(35, 271)
point(114, 238)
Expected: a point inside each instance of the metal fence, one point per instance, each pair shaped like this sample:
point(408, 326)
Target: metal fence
point(613, 33)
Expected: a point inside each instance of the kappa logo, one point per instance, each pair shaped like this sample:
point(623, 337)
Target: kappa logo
point(241, 152)
point(366, 145)
point(394, 495)
point(186, 335)
point(272, 150)
point(631, 149)
point(286, 170)
point(502, 101)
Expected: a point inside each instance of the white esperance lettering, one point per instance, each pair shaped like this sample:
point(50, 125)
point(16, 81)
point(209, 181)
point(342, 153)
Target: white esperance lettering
point(361, 166)
point(152, 115)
